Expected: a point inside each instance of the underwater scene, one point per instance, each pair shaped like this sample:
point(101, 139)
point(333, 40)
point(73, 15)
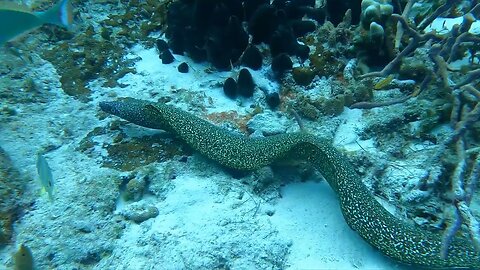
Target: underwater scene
point(229, 134)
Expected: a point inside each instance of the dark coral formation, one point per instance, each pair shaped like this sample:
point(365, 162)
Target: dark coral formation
point(11, 189)
point(183, 67)
point(243, 86)
point(230, 87)
point(245, 83)
point(252, 58)
point(213, 30)
point(336, 10)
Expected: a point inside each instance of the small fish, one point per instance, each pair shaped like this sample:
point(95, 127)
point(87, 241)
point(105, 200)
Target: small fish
point(16, 20)
point(45, 175)
point(23, 258)
point(383, 82)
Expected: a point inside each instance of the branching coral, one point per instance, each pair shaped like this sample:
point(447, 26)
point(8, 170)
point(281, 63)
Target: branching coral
point(462, 186)
point(458, 36)
point(442, 50)
point(416, 41)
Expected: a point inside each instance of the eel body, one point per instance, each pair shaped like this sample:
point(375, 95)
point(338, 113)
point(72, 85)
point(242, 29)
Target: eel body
point(396, 239)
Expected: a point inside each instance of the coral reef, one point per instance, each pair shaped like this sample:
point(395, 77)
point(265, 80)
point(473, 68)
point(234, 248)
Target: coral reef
point(213, 31)
point(337, 9)
point(262, 124)
point(12, 187)
point(141, 151)
point(373, 37)
point(97, 52)
point(410, 74)
point(375, 11)
point(245, 83)
point(361, 210)
point(135, 187)
point(139, 212)
point(432, 65)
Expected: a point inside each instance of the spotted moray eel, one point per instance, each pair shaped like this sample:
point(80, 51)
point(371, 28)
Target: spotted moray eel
point(405, 243)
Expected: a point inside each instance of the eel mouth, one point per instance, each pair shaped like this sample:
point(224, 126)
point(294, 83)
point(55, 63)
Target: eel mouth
point(109, 107)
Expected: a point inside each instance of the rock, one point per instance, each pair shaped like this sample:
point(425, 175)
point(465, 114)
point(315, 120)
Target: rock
point(269, 123)
point(139, 212)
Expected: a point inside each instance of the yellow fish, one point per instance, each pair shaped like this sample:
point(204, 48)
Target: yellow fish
point(16, 20)
point(45, 175)
point(23, 258)
point(383, 82)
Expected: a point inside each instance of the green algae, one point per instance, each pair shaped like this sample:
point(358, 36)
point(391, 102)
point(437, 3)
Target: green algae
point(99, 52)
point(85, 58)
point(325, 62)
point(303, 76)
point(128, 154)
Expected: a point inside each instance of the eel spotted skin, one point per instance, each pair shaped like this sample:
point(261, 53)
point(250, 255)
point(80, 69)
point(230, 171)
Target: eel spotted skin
point(403, 242)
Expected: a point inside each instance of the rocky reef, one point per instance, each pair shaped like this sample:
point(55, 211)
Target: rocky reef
point(12, 189)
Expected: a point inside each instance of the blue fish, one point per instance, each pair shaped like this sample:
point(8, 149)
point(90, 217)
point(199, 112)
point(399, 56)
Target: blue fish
point(16, 20)
point(45, 175)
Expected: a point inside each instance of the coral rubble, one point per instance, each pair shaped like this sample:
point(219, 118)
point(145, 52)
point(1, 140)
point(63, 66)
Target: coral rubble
point(12, 187)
